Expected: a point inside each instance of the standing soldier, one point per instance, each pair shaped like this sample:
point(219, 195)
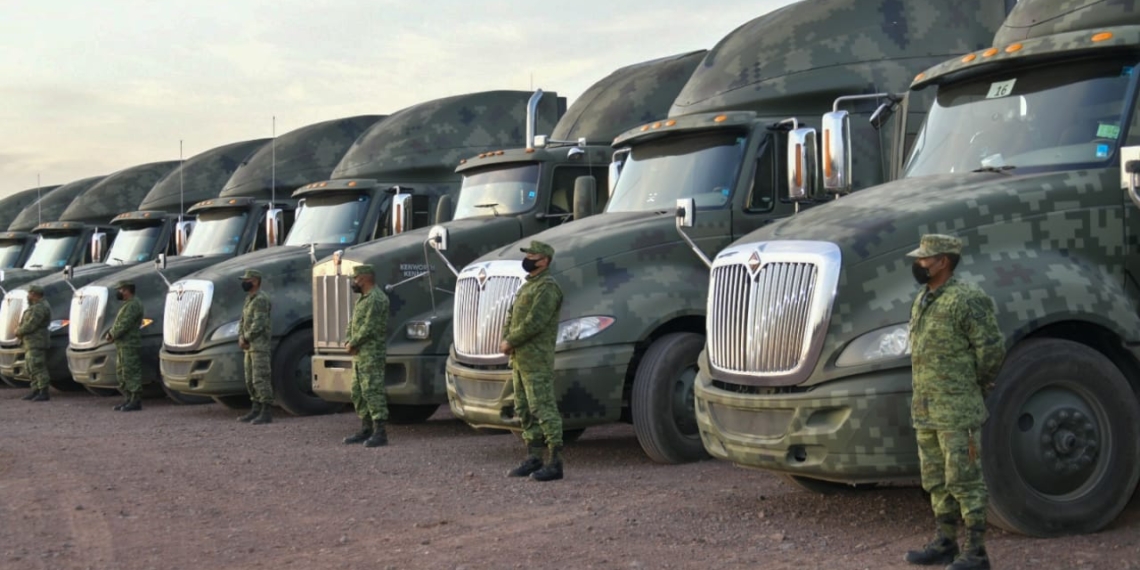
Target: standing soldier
point(33, 332)
point(956, 351)
point(126, 334)
point(254, 336)
point(529, 335)
point(367, 342)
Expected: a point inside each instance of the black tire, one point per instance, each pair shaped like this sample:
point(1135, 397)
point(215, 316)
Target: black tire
point(293, 377)
point(189, 400)
point(821, 487)
point(1060, 452)
point(103, 392)
point(67, 384)
point(402, 415)
point(662, 400)
point(233, 402)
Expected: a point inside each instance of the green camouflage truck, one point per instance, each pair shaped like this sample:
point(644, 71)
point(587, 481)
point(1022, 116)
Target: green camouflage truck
point(225, 226)
point(78, 239)
point(387, 183)
point(16, 246)
point(633, 312)
point(1020, 157)
point(505, 195)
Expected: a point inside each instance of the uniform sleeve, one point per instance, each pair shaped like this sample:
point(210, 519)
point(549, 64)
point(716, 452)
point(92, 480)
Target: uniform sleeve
point(547, 301)
point(979, 321)
point(129, 317)
point(258, 324)
point(507, 323)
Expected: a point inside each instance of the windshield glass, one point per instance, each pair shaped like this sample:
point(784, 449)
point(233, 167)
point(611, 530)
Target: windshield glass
point(657, 173)
point(1062, 115)
point(217, 232)
point(52, 250)
point(329, 219)
point(133, 244)
point(497, 191)
point(10, 253)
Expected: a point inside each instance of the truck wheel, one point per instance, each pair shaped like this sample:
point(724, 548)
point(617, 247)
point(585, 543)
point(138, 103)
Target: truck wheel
point(822, 487)
point(293, 377)
point(662, 401)
point(233, 402)
point(103, 392)
point(188, 400)
point(67, 384)
point(1060, 453)
point(398, 414)
point(11, 382)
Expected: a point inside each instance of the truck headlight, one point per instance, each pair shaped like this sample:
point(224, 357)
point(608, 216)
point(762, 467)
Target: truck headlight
point(582, 328)
point(228, 330)
point(57, 324)
point(418, 330)
point(882, 344)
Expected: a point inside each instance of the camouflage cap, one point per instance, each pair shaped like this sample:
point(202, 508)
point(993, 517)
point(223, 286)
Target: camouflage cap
point(937, 244)
point(539, 248)
point(123, 283)
point(364, 269)
point(250, 274)
point(35, 289)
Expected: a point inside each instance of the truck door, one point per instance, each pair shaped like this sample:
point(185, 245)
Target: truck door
point(767, 189)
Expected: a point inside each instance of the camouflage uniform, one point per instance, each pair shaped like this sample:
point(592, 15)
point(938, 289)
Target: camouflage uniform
point(126, 333)
point(33, 332)
point(254, 329)
point(368, 334)
point(956, 352)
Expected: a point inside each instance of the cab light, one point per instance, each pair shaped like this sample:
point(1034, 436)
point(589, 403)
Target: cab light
point(990, 52)
point(670, 123)
point(969, 57)
point(1013, 48)
point(720, 118)
point(1102, 37)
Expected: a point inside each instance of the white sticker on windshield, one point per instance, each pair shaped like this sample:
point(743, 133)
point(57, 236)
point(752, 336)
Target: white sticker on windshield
point(1001, 89)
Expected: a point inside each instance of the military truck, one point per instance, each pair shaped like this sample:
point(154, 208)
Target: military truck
point(1019, 157)
point(91, 218)
point(504, 196)
point(633, 312)
point(16, 246)
point(226, 226)
point(396, 171)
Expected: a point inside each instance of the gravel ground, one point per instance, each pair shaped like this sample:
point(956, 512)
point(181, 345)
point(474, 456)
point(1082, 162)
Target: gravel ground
point(82, 486)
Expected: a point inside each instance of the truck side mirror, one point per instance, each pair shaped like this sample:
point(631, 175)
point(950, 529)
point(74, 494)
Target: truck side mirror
point(802, 170)
point(274, 219)
point(443, 209)
point(401, 213)
point(575, 153)
point(1129, 172)
point(98, 246)
point(439, 238)
point(182, 235)
point(882, 114)
point(585, 196)
point(837, 152)
point(68, 272)
point(686, 212)
point(160, 263)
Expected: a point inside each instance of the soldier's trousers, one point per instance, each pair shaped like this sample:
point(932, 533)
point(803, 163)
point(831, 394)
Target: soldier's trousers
point(536, 407)
point(952, 474)
point(36, 361)
point(369, 397)
point(258, 378)
point(128, 369)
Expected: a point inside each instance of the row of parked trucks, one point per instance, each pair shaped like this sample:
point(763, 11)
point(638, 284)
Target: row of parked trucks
point(721, 291)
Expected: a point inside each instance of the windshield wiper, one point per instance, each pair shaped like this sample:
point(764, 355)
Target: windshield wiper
point(998, 169)
point(492, 206)
point(117, 259)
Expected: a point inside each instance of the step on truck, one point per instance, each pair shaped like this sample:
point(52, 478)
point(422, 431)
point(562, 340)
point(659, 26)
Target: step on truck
point(1021, 157)
point(16, 246)
point(385, 184)
point(633, 311)
point(230, 223)
point(505, 196)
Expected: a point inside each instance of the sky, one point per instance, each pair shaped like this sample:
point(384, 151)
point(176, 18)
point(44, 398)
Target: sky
point(89, 88)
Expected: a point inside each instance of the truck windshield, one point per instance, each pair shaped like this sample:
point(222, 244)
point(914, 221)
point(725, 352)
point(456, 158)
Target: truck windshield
point(133, 244)
point(1060, 116)
point(10, 253)
point(329, 219)
point(496, 191)
point(217, 232)
point(657, 173)
point(51, 251)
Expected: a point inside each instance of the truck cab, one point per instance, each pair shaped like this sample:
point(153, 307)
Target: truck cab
point(15, 246)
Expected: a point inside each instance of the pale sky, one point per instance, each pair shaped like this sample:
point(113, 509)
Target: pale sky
point(88, 87)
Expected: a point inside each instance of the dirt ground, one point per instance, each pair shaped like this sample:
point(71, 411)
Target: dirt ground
point(82, 486)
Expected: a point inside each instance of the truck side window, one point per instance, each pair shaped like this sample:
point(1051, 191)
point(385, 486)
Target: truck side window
point(768, 180)
point(562, 187)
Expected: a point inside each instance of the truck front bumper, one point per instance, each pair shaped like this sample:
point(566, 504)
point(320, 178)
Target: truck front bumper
point(13, 362)
point(96, 367)
point(214, 371)
point(409, 380)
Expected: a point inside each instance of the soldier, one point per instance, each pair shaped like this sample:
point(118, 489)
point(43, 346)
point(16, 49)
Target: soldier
point(956, 351)
point(33, 332)
point(367, 342)
point(126, 334)
point(529, 335)
point(254, 336)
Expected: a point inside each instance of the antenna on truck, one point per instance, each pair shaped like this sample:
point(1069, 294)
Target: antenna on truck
point(181, 193)
point(273, 164)
point(39, 207)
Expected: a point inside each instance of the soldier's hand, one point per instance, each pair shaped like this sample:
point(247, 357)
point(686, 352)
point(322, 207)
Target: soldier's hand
point(352, 350)
point(109, 337)
point(244, 344)
point(505, 347)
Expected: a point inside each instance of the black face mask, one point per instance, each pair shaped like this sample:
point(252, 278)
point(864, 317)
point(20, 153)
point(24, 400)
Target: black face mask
point(247, 286)
point(529, 264)
point(119, 295)
point(356, 288)
point(921, 274)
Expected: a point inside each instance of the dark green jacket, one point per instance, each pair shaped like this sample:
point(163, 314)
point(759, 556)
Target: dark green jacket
point(532, 323)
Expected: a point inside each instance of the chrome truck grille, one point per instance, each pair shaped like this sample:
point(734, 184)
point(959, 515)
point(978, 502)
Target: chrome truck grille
point(187, 306)
point(769, 305)
point(11, 310)
point(88, 305)
point(483, 296)
point(333, 303)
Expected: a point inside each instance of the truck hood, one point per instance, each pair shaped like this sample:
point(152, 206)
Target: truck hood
point(14, 278)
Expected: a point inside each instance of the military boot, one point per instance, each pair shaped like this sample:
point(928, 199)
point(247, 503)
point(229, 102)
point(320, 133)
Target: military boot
point(532, 463)
point(264, 416)
point(973, 556)
point(30, 395)
point(552, 470)
point(379, 437)
point(41, 396)
point(119, 407)
point(364, 433)
point(940, 551)
point(134, 405)
point(254, 410)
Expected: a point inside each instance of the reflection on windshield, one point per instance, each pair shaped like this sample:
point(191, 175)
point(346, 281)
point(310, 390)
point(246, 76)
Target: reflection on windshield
point(51, 251)
point(329, 220)
point(657, 173)
point(498, 191)
point(133, 244)
point(10, 253)
point(216, 233)
point(1061, 115)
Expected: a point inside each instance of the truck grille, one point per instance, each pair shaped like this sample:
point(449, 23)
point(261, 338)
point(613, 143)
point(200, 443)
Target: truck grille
point(483, 296)
point(11, 310)
point(187, 306)
point(767, 309)
point(87, 310)
point(333, 302)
